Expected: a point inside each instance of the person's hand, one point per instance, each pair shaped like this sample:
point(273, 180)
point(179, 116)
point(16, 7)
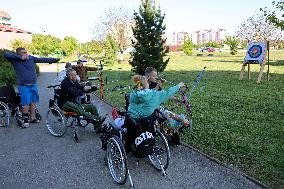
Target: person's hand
point(94, 88)
point(86, 88)
point(181, 84)
point(25, 56)
point(56, 60)
point(158, 86)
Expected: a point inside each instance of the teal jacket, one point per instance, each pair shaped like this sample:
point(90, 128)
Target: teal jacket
point(143, 103)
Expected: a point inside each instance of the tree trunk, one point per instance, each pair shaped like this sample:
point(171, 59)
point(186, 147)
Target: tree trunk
point(120, 57)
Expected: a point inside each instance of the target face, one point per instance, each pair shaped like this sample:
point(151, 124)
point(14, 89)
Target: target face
point(255, 51)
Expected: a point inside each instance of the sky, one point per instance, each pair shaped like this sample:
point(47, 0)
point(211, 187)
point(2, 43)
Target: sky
point(77, 18)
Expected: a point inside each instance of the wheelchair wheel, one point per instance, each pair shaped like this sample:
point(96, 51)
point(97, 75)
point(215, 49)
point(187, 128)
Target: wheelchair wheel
point(4, 115)
point(116, 159)
point(55, 122)
point(161, 152)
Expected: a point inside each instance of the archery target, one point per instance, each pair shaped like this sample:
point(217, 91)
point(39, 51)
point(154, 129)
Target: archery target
point(255, 53)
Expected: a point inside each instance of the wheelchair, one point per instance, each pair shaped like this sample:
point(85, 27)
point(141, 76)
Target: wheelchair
point(10, 106)
point(119, 142)
point(57, 120)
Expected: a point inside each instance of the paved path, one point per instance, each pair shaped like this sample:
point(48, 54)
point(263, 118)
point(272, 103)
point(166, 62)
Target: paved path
point(32, 158)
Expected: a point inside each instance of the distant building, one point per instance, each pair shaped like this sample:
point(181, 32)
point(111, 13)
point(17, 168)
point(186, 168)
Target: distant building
point(176, 38)
point(175, 41)
point(9, 34)
point(205, 36)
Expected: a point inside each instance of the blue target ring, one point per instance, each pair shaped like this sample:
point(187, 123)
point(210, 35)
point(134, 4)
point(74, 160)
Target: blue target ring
point(255, 51)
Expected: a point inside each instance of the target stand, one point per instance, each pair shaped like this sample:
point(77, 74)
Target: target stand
point(256, 54)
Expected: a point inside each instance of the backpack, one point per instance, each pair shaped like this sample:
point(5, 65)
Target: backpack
point(144, 145)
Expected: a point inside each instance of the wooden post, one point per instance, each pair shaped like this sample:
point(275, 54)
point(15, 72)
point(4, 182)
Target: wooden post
point(101, 79)
point(242, 71)
point(262, 68)
point(268, 60)
point(248, 70)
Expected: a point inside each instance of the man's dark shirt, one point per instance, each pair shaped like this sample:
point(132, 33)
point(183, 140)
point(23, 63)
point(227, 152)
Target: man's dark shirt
point(153, 85)
point(71, 90)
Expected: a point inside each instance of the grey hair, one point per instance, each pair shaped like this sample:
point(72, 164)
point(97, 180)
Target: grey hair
point(68, 72)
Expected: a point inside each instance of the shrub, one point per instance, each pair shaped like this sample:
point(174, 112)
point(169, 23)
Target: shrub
point(7, 73)
point(233, 43)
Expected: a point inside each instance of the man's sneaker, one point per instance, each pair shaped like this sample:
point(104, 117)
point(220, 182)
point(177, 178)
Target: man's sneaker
point(23, 122)
point(34, 121)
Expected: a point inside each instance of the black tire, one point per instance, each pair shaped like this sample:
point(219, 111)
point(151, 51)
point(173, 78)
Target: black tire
point(4, 115)
point(161, 152)
point(55, 122)
point(116, 156)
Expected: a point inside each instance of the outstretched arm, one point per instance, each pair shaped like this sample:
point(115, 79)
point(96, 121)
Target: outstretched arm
point(12, 56)
point(164, 95)
point(45, 60)
point(91, 68)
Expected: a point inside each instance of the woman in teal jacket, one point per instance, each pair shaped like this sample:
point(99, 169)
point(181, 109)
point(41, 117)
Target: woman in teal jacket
point(144, 101)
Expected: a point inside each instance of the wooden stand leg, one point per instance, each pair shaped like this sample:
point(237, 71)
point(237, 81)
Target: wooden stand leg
point(242, 72)
point(248, 70)
point(260, 73)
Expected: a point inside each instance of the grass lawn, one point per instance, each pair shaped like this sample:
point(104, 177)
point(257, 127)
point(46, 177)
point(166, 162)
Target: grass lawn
point(240, 123)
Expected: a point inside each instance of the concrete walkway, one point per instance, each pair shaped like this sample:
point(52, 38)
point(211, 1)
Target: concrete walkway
point(32, 158)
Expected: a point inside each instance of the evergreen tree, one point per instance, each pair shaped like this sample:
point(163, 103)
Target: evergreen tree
point(187, 46)
point(148, 44)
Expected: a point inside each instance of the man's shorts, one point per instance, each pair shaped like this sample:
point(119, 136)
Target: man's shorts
point(29, 94)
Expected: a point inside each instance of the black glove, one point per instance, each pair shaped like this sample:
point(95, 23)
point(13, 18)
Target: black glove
point(94, 88)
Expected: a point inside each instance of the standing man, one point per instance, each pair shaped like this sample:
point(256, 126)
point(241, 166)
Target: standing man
point(24, 65)
point(82, 71)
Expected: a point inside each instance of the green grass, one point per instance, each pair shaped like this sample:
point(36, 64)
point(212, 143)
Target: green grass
point(240, 123)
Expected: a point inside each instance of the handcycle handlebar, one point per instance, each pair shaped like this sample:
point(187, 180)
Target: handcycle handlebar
point(53, 86)
point(93, 78)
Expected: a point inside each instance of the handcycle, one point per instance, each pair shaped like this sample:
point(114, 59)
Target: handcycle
point(134, 132)
point(184, 101)
point(57, 120)
point(10, 106)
